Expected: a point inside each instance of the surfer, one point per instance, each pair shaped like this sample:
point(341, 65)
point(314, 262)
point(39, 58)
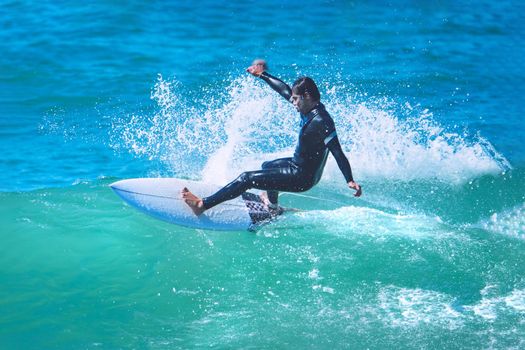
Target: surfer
point(299, 173)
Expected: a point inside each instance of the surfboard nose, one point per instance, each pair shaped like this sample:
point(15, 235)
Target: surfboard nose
point(120, 185)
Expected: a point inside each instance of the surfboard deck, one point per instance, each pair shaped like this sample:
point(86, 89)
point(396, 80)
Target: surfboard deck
point(161, 198)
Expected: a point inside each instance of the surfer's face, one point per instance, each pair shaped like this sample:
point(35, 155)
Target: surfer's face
point(299, 103)
point(303, 103)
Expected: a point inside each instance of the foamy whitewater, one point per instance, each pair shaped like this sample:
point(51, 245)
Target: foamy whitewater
point(249, 123)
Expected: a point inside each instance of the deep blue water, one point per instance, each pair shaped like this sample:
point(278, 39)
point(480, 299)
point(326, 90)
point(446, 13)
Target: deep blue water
point(428, 102)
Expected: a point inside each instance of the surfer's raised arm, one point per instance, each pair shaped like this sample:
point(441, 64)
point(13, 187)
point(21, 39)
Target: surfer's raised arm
point(258, 69)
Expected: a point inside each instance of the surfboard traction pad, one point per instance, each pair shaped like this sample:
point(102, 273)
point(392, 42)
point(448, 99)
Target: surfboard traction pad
point(259, 212)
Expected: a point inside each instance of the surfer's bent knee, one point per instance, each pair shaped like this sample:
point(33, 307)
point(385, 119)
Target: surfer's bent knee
point(244, 178)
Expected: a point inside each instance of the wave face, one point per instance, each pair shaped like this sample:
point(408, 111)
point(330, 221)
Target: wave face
point(361, 273)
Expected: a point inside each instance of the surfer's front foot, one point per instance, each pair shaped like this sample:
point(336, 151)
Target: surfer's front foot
point(195, 203)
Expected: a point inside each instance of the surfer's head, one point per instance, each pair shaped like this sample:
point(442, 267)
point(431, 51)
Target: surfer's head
point(305, 94)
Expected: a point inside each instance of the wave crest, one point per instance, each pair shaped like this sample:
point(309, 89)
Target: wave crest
point(226, 131)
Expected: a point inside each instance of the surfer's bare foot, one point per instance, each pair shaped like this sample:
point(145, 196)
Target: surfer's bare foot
point(195, 203)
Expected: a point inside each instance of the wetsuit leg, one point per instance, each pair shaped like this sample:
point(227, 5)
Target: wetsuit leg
point(273, 196)
point(273, 179)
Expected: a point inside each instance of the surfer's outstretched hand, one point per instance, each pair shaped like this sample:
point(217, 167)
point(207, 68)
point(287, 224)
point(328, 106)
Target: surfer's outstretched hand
point(355, 186)
point(257, 68)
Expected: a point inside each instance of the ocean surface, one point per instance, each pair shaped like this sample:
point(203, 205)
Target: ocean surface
point(428, 101)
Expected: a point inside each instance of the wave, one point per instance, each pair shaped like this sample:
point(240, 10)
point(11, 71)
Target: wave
point(226, 131)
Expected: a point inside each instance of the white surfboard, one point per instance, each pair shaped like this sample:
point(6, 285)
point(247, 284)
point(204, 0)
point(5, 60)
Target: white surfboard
point(161, 198)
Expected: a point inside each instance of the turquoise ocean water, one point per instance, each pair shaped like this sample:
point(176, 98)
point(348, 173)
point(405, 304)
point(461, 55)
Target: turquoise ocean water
point(428, 102)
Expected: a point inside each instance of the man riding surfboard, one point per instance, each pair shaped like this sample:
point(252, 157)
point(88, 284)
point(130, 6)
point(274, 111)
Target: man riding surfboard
point(317, 137)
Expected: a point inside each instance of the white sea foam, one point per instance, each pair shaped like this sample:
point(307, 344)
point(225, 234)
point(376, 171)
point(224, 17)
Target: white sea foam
point(375, 223)
point(226, 132)
point(324, 289)
point(509, 222)
point(404, 142)
point(313, 274)
point(405, 307)
point(412, 307)
point(516, 300)
point(492, 305)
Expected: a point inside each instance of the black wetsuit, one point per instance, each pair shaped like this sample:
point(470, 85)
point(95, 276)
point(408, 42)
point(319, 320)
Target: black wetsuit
point(300, 172)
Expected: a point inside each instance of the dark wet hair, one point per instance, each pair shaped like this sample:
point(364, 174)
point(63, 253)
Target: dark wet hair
point(305, 85)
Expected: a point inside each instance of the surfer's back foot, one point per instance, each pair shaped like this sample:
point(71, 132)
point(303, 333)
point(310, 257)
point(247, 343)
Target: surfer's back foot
point(265, 199)
point(274, 209)
point(195, 203)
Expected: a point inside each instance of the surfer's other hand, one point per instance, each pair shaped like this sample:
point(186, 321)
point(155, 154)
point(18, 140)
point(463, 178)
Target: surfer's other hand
point(257, 68)
point(355, 186)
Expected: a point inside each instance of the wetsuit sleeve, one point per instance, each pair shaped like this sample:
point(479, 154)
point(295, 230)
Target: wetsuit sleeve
point(278, 85)
point(332, 142)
